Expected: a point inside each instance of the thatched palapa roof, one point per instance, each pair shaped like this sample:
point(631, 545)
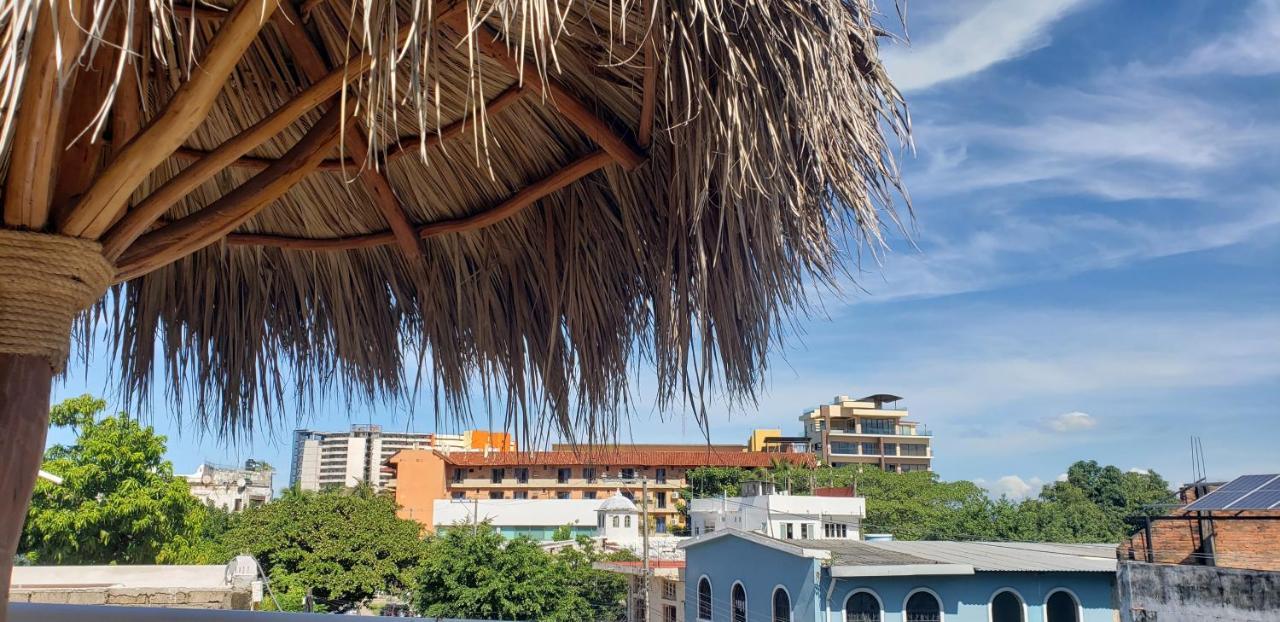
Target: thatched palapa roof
point(529, 198)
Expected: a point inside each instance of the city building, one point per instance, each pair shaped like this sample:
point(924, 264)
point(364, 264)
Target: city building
point(536, 519)
point(219, 586)
point(666, 586)
point(1215, 556)
point(347, 459)
point(868, 431)
point(850, 581)
point(764, 509)
point(230, 488)
point(422, 476)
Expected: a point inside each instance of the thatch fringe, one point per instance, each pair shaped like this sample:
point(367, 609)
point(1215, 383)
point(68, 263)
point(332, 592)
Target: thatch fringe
point(769, 151)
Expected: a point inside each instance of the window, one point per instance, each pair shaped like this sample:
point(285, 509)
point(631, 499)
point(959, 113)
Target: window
point(913, 449)
point(522, 475)
point(590, 494)
point(562, 476)
point(660, 524)
point(870, 449)
point(495, 495)
point(781, 605)
point(838, 447)
point(1006, 607)
point(496, 476)
point(668, 613)
point(835, 530)
point(628, 473)
point(629, 494)
point(563, 494)
point(660, 476)
point(669, 590)
point(458, 494)
point(661, 498)
point(806, 531)
point(626, 521)
point(600, 521)
point(704, 599)
point(738, 603)
point(458, 474)
point(890, 449)
point(786, 531)
point(1061, 607)
point(923, 606)
point(615, 522)
point(862, 606)
point(520, 494)
point(589, 474)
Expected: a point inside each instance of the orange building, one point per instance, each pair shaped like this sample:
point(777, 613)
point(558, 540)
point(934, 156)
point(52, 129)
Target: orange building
point(422, 477)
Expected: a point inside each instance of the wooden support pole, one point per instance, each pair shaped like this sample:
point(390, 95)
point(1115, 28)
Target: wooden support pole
point(108, 197)
point(573, 109)
point(25, 382)
point(39, 128)
point(139, 219)
point(522, 199)
point(192, 233)
point(81, 160)
point(251, 163)
point(308, 58)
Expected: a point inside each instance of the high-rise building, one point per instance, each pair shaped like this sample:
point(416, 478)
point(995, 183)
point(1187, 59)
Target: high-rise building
point(872, 431)
point(347, 459)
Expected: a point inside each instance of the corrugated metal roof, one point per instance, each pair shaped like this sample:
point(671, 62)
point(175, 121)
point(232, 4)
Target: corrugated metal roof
point(623, 457)
point(1010, 556)
point(854, 552)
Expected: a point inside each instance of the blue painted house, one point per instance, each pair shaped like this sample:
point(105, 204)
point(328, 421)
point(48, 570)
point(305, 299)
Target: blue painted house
point(736, 576)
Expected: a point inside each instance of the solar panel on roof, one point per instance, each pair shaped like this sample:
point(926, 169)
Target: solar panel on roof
point(1260, 500)
point(1232, 495)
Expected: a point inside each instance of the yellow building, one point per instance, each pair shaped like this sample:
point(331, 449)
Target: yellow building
point(870, 430)
point(757, 440)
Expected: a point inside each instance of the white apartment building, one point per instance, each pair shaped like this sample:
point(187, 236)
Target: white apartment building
point(789, 517)
point(871, 431)
point(232, 489)
point(348, 459)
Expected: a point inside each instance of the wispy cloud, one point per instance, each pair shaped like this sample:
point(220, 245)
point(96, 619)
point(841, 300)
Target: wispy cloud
point(1248, 51)
point(1074, 421)
point(995, 32)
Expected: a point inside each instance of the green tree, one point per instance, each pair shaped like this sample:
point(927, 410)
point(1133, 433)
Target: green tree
point(345, 545)
point(1114, 493)
point(479, 574)
point(118, 502)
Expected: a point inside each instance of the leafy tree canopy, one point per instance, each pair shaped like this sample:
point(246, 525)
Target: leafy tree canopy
point(345, 545)
point(476, 573)
point(119, 501)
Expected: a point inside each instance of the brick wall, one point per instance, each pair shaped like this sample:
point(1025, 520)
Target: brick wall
point(1249, 544)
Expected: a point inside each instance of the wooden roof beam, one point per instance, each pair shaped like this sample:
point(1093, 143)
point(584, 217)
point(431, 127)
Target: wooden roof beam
point(573, 109)
point(196, 231)
point(406, 146)
point(108, 197)
point(307, 55)
point(511, 206)
point(136, 221)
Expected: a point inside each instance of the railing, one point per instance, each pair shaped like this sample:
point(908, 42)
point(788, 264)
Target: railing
point(27, 612)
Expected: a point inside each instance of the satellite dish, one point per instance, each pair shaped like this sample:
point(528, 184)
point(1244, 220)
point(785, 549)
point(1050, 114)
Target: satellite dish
point(242, 482)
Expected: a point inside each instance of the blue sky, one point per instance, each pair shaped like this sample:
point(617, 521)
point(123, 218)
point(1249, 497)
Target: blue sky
point(1093, 271)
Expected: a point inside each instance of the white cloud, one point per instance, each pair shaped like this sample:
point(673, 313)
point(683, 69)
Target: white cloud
point(1140, 471)
point(1013, 487)
point(1074, 421)
point(996, 32)
point(1250, 51)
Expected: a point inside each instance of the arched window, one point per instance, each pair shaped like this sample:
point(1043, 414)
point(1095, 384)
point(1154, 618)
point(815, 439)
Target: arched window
point(781, 605)
point(738, 603)
point(1006, 606)
point(1061, 606)
point(862, 606)
point(704, 599)
point(923, 606)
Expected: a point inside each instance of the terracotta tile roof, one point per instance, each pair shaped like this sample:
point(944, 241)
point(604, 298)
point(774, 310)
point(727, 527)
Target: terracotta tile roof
point(623, 457)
